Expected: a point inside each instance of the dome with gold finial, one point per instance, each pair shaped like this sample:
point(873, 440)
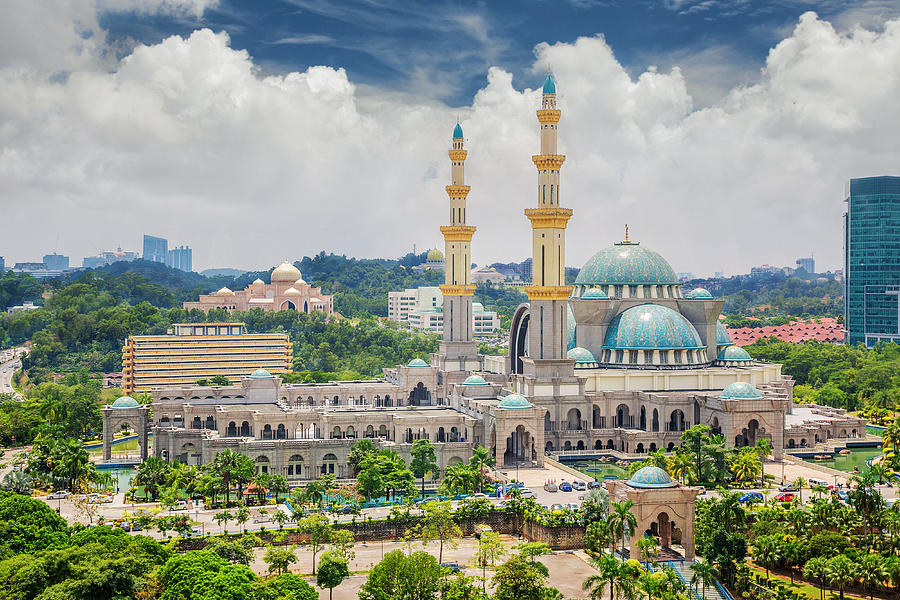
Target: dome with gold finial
point(435, 255)
point(285, 273)
point(291, 291)
point(225, 292)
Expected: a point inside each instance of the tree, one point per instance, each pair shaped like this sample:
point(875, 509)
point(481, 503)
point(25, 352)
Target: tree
point(343, 540)
point(241, 516)
point(480, 461)
point(610, 568)
point(221, 380)
point(704, 573)
point(284, 587)
point(203, 574)
point(226, 463)
point(872, 570)
point(222, 517)
point(801, 483)
point(517, 579)
point(460, 587)
point(234, 552)
point(767, 551)
point(840, 571)
point(648, 547)
point(424, 460)
point(279, 559)
point(318, 530)
point(490, 548)
point(695, 437)
point(332, 571)
point(278, 485)
point(438, 525)
point(815, 569)
point(622, 521)
point(401, 577)
point(597, 536)
point(153, 474)
point(369, 482)
point(360, 452)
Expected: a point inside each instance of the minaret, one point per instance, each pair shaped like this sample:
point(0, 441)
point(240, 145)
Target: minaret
point(457, 345)
point(548, 293)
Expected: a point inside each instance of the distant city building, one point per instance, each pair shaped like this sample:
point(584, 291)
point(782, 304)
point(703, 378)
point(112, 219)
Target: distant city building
point(56, 262)
point(25, 306)
point(111, 256)
point(2, 265)
point(156, 249)
point(685, 276)
point(93, 262)
point(872, 260)
point(180, 257)
point(718, 275)
point(287, 291)
point(28, 267)
point(807, 264)
point(764, 270)
point(423, 309)
point(487, 275)
point(434, 261)
point(525, 269)
point(195, 351)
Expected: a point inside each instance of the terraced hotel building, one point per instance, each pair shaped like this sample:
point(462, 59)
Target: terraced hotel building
point(194, 351)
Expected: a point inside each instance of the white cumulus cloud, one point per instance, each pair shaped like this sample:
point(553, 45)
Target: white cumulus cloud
point(187, 139)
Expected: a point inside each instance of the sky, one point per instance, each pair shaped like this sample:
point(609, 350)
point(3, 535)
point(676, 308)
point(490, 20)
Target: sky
point(721, 131)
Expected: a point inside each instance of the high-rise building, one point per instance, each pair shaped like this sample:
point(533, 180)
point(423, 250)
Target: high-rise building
point(872, 260)
point(807, 264)
point(56, 262)
point(180, 257)
point(156, 249)
point(2, 266)
point(194, 351)
point(423, 309)
point(93, 262)
point(525, 269)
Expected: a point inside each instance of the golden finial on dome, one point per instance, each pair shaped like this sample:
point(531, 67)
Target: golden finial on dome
point(626, 232)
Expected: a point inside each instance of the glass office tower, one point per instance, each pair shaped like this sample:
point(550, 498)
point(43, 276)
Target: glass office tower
point(872, 260)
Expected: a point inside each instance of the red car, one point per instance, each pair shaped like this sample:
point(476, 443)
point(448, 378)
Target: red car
point(785, 497)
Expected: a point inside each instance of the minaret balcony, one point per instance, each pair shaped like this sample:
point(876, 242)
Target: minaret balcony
point(549, 115)
point(548, 218)
point(459, 233)
point(457, 290)
point(458, 191)
point(457, 155)
point(548, 162)
point(548, 292)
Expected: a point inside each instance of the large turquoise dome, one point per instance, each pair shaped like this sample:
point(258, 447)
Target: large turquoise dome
point(741, 390)
point(475, 380)
point(515, 401)
point(698, 293)
point(260, 374)
point(651, 327)
point(626, 263)
point(651, 477)
point(125, 402)
point(722, 337)
point(417, 362)
point(581, 355)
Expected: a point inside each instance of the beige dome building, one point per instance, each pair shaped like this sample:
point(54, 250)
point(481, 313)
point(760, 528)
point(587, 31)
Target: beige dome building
point(287, 291)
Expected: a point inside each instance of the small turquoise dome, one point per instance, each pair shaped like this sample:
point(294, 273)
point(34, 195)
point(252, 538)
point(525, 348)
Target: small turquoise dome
point(699, 293)
point(594, 294)
point(581, 355)
point(125, 402)
point(651, 327)
point(260, 374)
point(722, 337)
point(549, 85)
point(741, 390)
point(475, 380)
point(457, 132)
point(626, 263)
point(651, 477)
point(417, 362)
point(732, 353)
point(515, 401)
point(570, 328)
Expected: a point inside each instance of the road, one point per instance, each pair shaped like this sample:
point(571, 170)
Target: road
point(9, 364)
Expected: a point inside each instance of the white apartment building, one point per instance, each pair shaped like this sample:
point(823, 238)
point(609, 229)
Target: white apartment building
point(423, 309)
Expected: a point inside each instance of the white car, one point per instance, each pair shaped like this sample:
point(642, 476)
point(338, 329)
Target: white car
point(479, 496)
point(526, 493)
point(579, 486)
point(59, 495)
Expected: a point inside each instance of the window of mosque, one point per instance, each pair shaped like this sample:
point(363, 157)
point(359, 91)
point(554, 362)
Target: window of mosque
point(620, 356)
point(618, 292)
point(663, 357)
point(677, 356)
point(633, 356)
point(632, 290)
point(648, 357)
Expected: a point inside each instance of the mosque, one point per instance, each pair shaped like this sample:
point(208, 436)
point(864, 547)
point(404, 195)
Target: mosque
point(625, 360)
point(286, 291)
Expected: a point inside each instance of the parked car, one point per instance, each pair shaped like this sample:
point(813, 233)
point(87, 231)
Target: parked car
point(550, 487)
point(422, 503)
point(479, 496)
point(556, 507)
point(526, 493)
point(572, 505)
point(593, 485)
point(579, 485)
point(751, 497)
point(813, 482)
point(565, 486)
point(124, 525)
point(59, 495)
point(182, 505)
point(842, 495)
point(480, 529)
point(785, 497)
point(453, 566)
point(788, 487)
point(350, 509)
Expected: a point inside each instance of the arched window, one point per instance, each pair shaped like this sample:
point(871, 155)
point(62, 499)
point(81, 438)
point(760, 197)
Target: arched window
point(245, 429)
point(295, 466)
point(196, 424)
point(262, 464)
point(231, 431)
point(281, 433)
point(267, 432)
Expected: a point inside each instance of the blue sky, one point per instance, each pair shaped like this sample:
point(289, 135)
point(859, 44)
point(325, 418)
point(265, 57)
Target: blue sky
point(442, 50)
point(723, 132)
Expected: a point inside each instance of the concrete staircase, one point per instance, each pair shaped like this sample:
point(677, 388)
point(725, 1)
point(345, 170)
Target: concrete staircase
point(712, 592)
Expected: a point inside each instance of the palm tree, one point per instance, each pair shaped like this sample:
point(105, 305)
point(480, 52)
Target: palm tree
point(481, 460)
point(649, 548)
point(153, 473)
point(73, 461)
point(815, 569)
point(225, 463)
point(704, 573)
point(801, 483)
point(314, 492)
point(766, 552)
point(872, 570)
point(279, 485)
point(840, 571)
point(730, 511)
point(242, 515)
point(610, 570)
point(621, 520)
point(680, 465)
point(223, 517)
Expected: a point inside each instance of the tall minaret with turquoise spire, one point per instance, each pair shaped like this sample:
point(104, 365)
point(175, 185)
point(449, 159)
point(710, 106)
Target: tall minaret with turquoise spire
point(548, 293)
point(458, 350)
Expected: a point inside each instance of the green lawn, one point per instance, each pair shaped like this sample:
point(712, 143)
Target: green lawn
point(810, 590)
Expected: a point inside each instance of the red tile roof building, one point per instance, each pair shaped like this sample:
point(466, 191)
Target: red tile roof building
point(823, 330)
